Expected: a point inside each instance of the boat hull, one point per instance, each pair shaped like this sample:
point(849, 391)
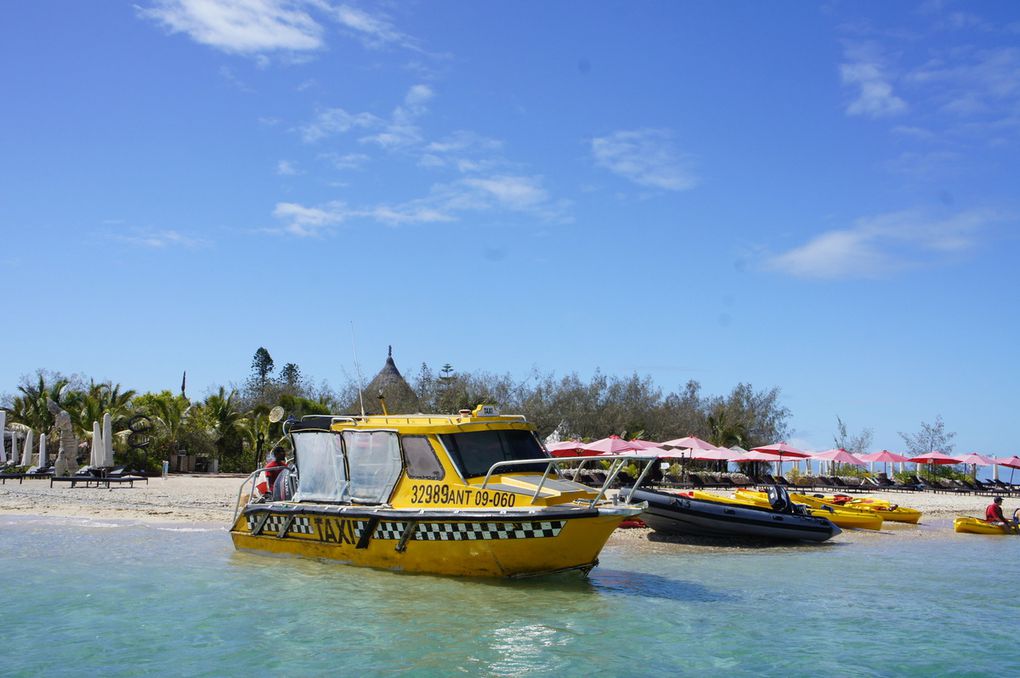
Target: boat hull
point(671, 514)
point(972, 525)
point(462, 543)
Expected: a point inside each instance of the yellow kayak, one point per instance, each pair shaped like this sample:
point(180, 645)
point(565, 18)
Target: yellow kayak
point(853, 518)
point(888, 510)
point(977, 526)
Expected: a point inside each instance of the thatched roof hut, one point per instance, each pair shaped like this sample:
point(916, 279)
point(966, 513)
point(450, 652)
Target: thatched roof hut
point(400, 397)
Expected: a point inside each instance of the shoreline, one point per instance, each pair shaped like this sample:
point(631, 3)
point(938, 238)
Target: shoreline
point(204, 500)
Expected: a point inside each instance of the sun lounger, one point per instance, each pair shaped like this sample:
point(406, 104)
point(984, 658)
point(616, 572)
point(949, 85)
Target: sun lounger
point(97, 481)
point(4, 477)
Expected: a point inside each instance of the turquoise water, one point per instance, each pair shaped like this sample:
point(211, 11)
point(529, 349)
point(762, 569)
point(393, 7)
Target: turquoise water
point(98, 598)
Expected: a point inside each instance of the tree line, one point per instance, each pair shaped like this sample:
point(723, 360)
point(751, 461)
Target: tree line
point(227, 423)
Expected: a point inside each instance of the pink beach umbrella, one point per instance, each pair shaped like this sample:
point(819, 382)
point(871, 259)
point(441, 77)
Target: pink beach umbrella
point(1011, 463)
point(976, 459)
point(690, 443)
point(615, 445)
point(885, 457)
point(716, 454)
point(839, 456)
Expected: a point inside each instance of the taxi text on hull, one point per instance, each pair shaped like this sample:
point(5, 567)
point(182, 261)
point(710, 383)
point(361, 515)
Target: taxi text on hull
point(471, 494)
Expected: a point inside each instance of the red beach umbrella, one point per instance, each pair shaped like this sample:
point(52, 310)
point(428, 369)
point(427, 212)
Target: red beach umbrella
point(567, 448)
point(782, 449)
point(935, 457)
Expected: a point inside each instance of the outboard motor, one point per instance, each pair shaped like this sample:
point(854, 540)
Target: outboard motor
point(779, 498)
point(283, 487)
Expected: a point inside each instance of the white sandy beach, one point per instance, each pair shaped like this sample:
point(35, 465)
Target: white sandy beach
point(211, 499)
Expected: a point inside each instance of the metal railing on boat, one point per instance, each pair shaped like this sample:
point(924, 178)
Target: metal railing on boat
point(617, 463)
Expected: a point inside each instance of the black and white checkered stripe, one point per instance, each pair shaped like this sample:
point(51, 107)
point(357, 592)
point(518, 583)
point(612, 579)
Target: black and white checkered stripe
point(301, 525)
point(445, 531)
point(483, 531)
point(275, 522)
point(389, 530)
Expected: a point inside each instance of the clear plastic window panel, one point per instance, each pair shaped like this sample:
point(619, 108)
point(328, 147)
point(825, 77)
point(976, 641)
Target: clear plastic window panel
point(320, 462)
point(421, 458)
point(374, 460)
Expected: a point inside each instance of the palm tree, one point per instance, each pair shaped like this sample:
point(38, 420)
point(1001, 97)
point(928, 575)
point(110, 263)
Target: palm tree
point(88, 406)
point(170, 412)
point(225, 419)
point(30, 407)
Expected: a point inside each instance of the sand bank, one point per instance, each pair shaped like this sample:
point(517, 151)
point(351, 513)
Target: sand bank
point(211, 499)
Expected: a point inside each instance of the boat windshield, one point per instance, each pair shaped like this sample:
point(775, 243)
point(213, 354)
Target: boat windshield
point(475, 452)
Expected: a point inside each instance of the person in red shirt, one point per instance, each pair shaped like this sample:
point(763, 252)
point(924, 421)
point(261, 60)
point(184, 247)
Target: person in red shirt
point(993, 512)
point(275, 467)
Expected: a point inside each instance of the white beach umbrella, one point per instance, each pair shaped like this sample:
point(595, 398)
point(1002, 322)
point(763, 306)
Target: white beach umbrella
point(97, 441)
point(42, 450)
point(107, 440)
point(26, 451)
point(3, 435)
point(14, 447)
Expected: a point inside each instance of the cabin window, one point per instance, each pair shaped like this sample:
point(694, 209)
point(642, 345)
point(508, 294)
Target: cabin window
point(475, 452)
point(421, 460)
point(374, 460)
point(319, 457)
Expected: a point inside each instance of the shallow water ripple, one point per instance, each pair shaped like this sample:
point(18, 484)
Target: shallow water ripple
point(128, 600)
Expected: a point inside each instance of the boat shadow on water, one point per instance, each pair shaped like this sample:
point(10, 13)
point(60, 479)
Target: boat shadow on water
point(604, 581)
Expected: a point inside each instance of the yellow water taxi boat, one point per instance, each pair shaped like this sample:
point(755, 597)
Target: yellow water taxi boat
point(471, 494)
point(852, 518)
point(973, 525)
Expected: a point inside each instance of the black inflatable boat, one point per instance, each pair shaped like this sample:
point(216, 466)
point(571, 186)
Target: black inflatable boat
point(680, 514)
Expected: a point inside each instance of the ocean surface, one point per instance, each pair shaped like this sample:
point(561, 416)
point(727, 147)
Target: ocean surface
point(92, 597)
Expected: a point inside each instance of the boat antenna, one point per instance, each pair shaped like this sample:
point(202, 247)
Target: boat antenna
point(357, 367)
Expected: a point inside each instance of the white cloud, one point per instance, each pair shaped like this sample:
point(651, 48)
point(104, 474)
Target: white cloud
point(310, 221)
point(879, 246)
point(373, 30)
point(159, 239)
point(402, 130)
point(336, 121)
point(239, 26)
point(516, 193)
point(973, 81)
point(645, 156)
point(444, 203)
point(285, 168)
point(865, 71)
point(464, 151)
point(345, 161)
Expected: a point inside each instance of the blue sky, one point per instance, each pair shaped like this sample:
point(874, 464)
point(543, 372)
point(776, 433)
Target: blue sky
point(822, 198)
